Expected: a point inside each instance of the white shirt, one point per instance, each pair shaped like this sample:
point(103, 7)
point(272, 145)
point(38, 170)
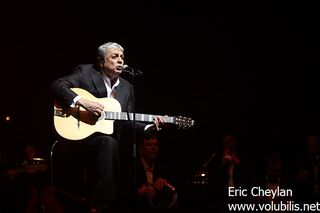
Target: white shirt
point(107, 83)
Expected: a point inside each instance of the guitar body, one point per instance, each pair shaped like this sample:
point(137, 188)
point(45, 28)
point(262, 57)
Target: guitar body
point(74, 123)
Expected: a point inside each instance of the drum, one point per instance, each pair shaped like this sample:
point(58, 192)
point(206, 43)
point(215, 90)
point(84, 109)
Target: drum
point(165, 197)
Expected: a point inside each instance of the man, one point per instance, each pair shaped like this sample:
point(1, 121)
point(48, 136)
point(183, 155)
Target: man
point(26, 189)
point(152, 186)
point(102, 80)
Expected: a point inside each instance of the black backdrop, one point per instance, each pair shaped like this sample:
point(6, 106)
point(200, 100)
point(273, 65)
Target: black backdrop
point(246, 67)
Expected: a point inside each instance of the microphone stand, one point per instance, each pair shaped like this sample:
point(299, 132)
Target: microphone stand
point(134, 143)
point(133, 74)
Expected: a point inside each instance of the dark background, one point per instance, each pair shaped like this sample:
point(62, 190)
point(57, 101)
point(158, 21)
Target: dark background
point(246, 67)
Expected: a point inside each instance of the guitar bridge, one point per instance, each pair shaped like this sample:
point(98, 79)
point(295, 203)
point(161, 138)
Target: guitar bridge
point(60, 113)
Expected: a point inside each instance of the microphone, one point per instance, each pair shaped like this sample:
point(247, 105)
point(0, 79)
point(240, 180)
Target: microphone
point(131, 71)
point(208, 161)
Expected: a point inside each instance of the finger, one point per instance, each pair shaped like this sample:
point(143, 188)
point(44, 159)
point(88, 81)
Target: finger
point(156, 121)
point(162, 120)
point(158, 127)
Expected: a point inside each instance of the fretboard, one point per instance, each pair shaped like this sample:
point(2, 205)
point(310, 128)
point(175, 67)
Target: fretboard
point(138, 117)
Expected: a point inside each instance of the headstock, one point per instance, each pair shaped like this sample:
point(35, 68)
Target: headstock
point(183, 122)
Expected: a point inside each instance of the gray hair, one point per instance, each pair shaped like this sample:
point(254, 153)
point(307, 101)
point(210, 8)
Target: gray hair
point(103, 49)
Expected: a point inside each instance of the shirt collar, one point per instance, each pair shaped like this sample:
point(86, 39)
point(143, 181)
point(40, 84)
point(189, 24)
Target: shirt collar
point(108, 80)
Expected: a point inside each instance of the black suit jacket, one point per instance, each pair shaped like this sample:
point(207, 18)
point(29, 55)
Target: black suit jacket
point(127, 181)
point(89, 78)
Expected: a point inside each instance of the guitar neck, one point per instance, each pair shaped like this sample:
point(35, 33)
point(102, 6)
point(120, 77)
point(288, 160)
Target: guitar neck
point(138, 117)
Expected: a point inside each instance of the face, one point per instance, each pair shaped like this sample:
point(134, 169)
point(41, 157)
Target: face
point(113, 62)
point(150, 148)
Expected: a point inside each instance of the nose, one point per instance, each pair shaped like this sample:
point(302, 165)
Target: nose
point(120, 61)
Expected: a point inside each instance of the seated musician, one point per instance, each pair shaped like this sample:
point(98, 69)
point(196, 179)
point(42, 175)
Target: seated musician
point(30, 180)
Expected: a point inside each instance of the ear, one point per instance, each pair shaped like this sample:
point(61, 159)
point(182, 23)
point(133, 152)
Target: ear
point(100, 60)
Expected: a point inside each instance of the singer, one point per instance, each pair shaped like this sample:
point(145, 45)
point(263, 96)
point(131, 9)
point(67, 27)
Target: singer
point(102, 80)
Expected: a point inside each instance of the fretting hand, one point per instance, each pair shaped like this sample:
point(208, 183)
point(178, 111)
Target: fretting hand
point(158, 122)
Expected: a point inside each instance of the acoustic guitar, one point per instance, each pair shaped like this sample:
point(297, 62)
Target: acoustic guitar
point(77, 123)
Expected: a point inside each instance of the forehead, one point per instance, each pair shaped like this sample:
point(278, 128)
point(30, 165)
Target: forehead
point(114, 51)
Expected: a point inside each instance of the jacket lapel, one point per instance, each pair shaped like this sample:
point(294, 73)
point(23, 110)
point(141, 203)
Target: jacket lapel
point(99, 82)
point(120, 92)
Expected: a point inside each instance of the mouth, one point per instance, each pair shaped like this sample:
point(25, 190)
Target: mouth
point(119, 68)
